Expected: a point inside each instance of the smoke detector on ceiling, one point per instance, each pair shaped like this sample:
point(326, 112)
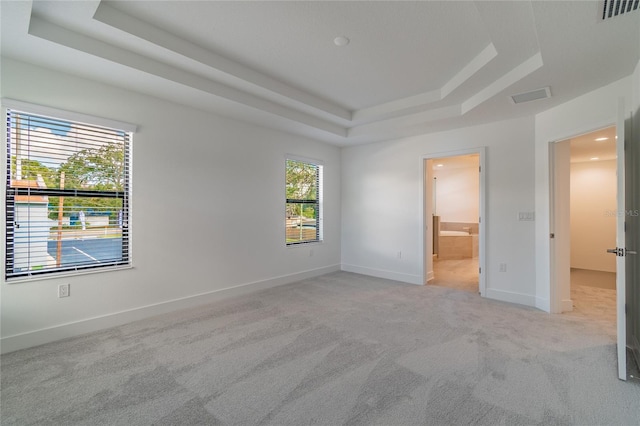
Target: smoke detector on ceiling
point(533, 95)
point(613, 8)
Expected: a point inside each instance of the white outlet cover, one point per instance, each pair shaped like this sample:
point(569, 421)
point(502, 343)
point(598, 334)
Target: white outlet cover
point(63, 290)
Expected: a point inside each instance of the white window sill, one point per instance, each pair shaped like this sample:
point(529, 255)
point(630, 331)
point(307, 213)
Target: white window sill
point(62, 275)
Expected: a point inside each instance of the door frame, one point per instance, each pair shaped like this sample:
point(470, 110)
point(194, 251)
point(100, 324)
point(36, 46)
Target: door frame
point(559, 263)
point(560, 243)
point(425, 208)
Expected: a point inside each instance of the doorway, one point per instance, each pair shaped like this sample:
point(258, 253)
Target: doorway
point(453, 192)
point(560, 239)
point(588, 163)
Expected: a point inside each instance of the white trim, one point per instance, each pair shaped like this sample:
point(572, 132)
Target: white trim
point(567, 305)
point(555, 304)
point(426, 227)
point(71, 329)
point(430, 276)
point(68, 115)
point(542, 304)
point(71, 273)
point(302, 159)
point(130, 227)
point(511, 297)
point(577, 132)
point(381, 273)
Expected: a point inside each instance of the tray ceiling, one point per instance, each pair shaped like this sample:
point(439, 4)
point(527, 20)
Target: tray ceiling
point(409, 68)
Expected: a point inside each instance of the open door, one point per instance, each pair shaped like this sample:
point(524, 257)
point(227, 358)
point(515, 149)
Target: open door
point(621, 251)
point(632, 217)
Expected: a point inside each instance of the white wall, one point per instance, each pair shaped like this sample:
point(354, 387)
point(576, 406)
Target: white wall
point(226, 177)
point(457, 194)
point(593, 219)
point(191, 154)
point(592, 111)
point(382, 205)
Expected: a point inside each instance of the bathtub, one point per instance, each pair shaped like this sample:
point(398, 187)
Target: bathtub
point(457, 245)
point(454, 234)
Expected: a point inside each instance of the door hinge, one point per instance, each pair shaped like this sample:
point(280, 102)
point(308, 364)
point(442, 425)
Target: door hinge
point(479, 220)
point(479, 270)
point(626, 308)
point(480, 169)
point(552, 235)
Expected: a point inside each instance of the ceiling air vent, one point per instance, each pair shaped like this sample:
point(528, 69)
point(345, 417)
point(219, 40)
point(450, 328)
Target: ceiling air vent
point(533, 95)
point(612, 8)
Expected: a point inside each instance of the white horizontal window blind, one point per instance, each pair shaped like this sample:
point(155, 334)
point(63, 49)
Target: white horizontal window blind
point(304, 202)
point(67, 195)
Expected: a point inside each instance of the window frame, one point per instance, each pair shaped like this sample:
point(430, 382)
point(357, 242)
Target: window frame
point(9, 192)
point(318, 201)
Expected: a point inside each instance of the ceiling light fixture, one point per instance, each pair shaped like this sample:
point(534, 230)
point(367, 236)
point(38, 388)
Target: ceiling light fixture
point(595, 158)
point(601, 139)
point(439, 165)
point(341, 41)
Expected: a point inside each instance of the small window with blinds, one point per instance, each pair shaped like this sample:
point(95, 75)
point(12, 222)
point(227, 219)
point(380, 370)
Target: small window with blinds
point(67, 196)
point(304, 202)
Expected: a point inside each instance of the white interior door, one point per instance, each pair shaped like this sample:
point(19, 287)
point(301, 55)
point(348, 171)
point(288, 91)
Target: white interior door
point(620, 250)
point(632, 218)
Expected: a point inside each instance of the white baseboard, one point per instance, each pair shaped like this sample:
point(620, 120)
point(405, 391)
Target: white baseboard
point(76, 328)
point(380, 273)
point(508, 296)
point(543, 304)
point(566, 305)
point(430, 276)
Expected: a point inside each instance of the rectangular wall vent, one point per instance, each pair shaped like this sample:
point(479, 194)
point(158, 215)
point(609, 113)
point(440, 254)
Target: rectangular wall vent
point(533, 95)
point(612, 8)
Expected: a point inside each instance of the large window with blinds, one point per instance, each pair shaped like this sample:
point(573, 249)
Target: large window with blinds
point(67, 195)
point(304, 202)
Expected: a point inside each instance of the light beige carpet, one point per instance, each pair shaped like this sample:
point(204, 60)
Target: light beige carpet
point(340, 349)
point(593, 292)
point(594, 298)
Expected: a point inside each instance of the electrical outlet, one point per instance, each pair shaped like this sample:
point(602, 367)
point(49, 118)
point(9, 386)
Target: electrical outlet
point(503, 267)
point(63, 290)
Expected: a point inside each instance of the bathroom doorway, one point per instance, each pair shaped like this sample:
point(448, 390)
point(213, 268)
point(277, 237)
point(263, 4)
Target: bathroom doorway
point(453, 236)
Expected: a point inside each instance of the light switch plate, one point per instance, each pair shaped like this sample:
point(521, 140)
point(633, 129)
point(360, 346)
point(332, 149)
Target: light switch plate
point(526, 216)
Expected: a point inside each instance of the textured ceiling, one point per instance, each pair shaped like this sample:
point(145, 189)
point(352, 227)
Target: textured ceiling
point(411, 67)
